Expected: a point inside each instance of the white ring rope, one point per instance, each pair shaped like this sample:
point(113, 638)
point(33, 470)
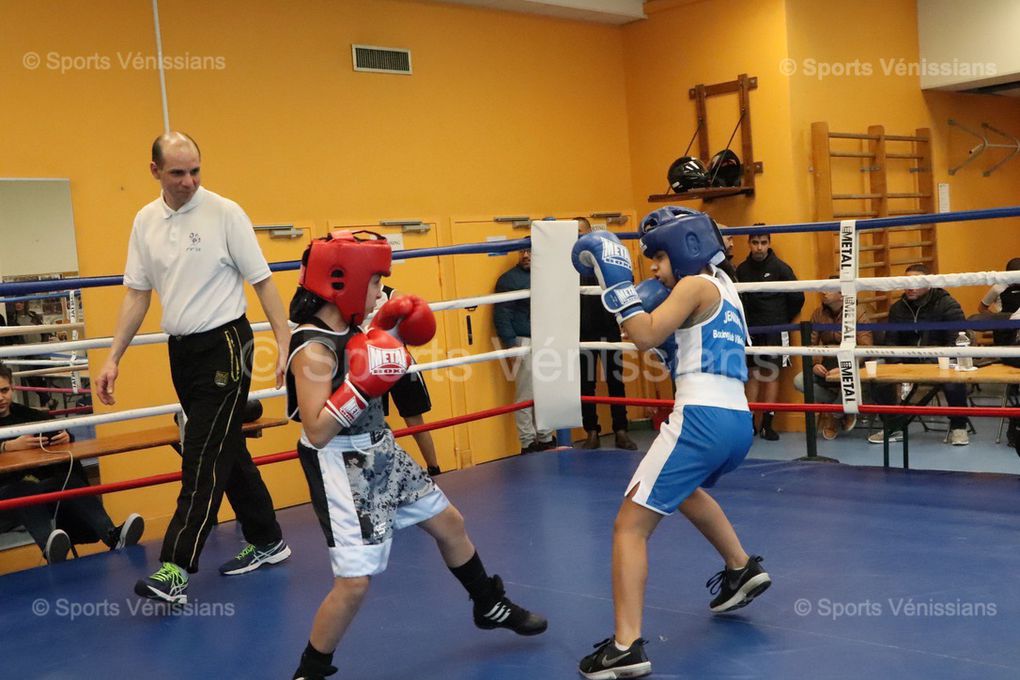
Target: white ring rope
point(95, 343)
point(470, 359)
point(6, 331)
point(74, 370)
point(45, 362)
point(164, 409)
point(158, 338)
point(882, 283)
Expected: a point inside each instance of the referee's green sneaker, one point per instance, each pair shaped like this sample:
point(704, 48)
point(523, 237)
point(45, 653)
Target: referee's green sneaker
point(169, 584)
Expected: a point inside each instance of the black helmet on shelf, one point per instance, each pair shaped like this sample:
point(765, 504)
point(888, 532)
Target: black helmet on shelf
point(725, 169)
point(686, 173)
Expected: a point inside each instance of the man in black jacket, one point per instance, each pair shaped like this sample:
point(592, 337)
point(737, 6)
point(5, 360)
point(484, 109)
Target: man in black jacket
point(767, 309)
point(598, 325)
point(923, 305)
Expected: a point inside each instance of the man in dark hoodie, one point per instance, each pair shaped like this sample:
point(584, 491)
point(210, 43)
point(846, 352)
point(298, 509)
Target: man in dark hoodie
point(767, 309)
point(914, 306)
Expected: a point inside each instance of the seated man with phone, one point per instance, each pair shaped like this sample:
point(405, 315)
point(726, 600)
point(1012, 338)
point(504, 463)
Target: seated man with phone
point(53, 526)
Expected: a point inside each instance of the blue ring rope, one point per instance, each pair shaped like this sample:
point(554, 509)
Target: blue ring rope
point(22, 287)
point(983, 325)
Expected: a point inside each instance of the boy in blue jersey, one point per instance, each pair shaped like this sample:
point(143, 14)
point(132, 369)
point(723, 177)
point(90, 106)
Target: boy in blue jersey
point(698, 319)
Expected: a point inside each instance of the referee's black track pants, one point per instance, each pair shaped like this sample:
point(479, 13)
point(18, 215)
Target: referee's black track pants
point(211, 372)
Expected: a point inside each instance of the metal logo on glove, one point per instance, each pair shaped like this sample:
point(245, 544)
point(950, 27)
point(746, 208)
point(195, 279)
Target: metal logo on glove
point(385, 361)
point(615, 253)
point(350, 410)
point(627, 296)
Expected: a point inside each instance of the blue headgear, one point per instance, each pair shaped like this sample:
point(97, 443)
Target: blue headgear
point(690, 238)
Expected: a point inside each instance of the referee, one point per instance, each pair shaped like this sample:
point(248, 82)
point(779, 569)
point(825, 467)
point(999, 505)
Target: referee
point(196, 249)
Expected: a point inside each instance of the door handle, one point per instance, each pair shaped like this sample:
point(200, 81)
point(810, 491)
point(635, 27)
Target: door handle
point(470, 334)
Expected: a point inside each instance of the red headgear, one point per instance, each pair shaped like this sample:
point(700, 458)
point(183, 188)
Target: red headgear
point(338, 268)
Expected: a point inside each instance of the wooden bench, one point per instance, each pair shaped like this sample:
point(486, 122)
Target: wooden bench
point(13, 461)
point(933, 377)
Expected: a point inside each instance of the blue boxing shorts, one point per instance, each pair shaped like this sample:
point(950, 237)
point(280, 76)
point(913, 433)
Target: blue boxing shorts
point(696, 446)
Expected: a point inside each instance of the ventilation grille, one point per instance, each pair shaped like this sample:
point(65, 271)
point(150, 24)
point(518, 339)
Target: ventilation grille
point(381, 59)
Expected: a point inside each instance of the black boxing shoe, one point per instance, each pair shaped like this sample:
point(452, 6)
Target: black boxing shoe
point(609, 663)
point(313, 670)
point(497, 611)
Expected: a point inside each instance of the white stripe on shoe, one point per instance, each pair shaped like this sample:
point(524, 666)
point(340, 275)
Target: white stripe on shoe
point(498, 614)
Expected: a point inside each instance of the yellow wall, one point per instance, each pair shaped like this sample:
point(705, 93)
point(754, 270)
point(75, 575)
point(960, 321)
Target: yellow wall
point(505, 114)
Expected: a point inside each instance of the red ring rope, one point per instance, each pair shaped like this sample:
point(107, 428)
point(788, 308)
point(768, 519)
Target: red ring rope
point(53, 496)
point(54, 390)
point(71, 411)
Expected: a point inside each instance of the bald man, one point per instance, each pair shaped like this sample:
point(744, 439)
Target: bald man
point(196, 249)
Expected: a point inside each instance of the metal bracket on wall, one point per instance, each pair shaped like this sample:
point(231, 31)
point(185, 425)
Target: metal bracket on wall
point(980, 147)
point(516, 221)
point(610, 217)
point(406, 225)
point(279, 230)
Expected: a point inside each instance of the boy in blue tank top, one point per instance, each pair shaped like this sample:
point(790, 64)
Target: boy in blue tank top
point(698, 324)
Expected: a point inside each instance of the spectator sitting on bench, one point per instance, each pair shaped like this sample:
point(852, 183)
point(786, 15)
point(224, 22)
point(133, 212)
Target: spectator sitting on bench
point(923, 305)
point(830, 312)
point(84, 519)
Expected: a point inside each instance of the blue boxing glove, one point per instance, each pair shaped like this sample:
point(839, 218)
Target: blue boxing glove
point(601, 253)
point(652, 294)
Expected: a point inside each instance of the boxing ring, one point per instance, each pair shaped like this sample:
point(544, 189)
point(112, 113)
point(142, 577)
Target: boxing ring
point(875, 571)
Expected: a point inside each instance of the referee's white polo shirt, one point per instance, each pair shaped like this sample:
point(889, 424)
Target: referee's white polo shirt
point(197, 259)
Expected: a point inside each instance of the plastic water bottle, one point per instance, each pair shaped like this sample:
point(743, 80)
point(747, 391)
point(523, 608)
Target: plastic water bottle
point(964, 363)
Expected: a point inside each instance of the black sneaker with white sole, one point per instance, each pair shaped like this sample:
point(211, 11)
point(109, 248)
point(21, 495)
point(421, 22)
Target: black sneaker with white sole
point(252, 557)
point(735, 588)
point(610, 663)
point(500, 612)
point(130, 532)
point(58, 544)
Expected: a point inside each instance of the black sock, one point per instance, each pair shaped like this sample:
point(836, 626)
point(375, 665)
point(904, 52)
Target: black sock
point(314, 661)
point(315, 656)
point(472, 576)
point(766, 421)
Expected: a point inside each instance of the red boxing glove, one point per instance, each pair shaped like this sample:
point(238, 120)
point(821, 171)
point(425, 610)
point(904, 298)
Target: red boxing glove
point(375, 360)
point(414, 322)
